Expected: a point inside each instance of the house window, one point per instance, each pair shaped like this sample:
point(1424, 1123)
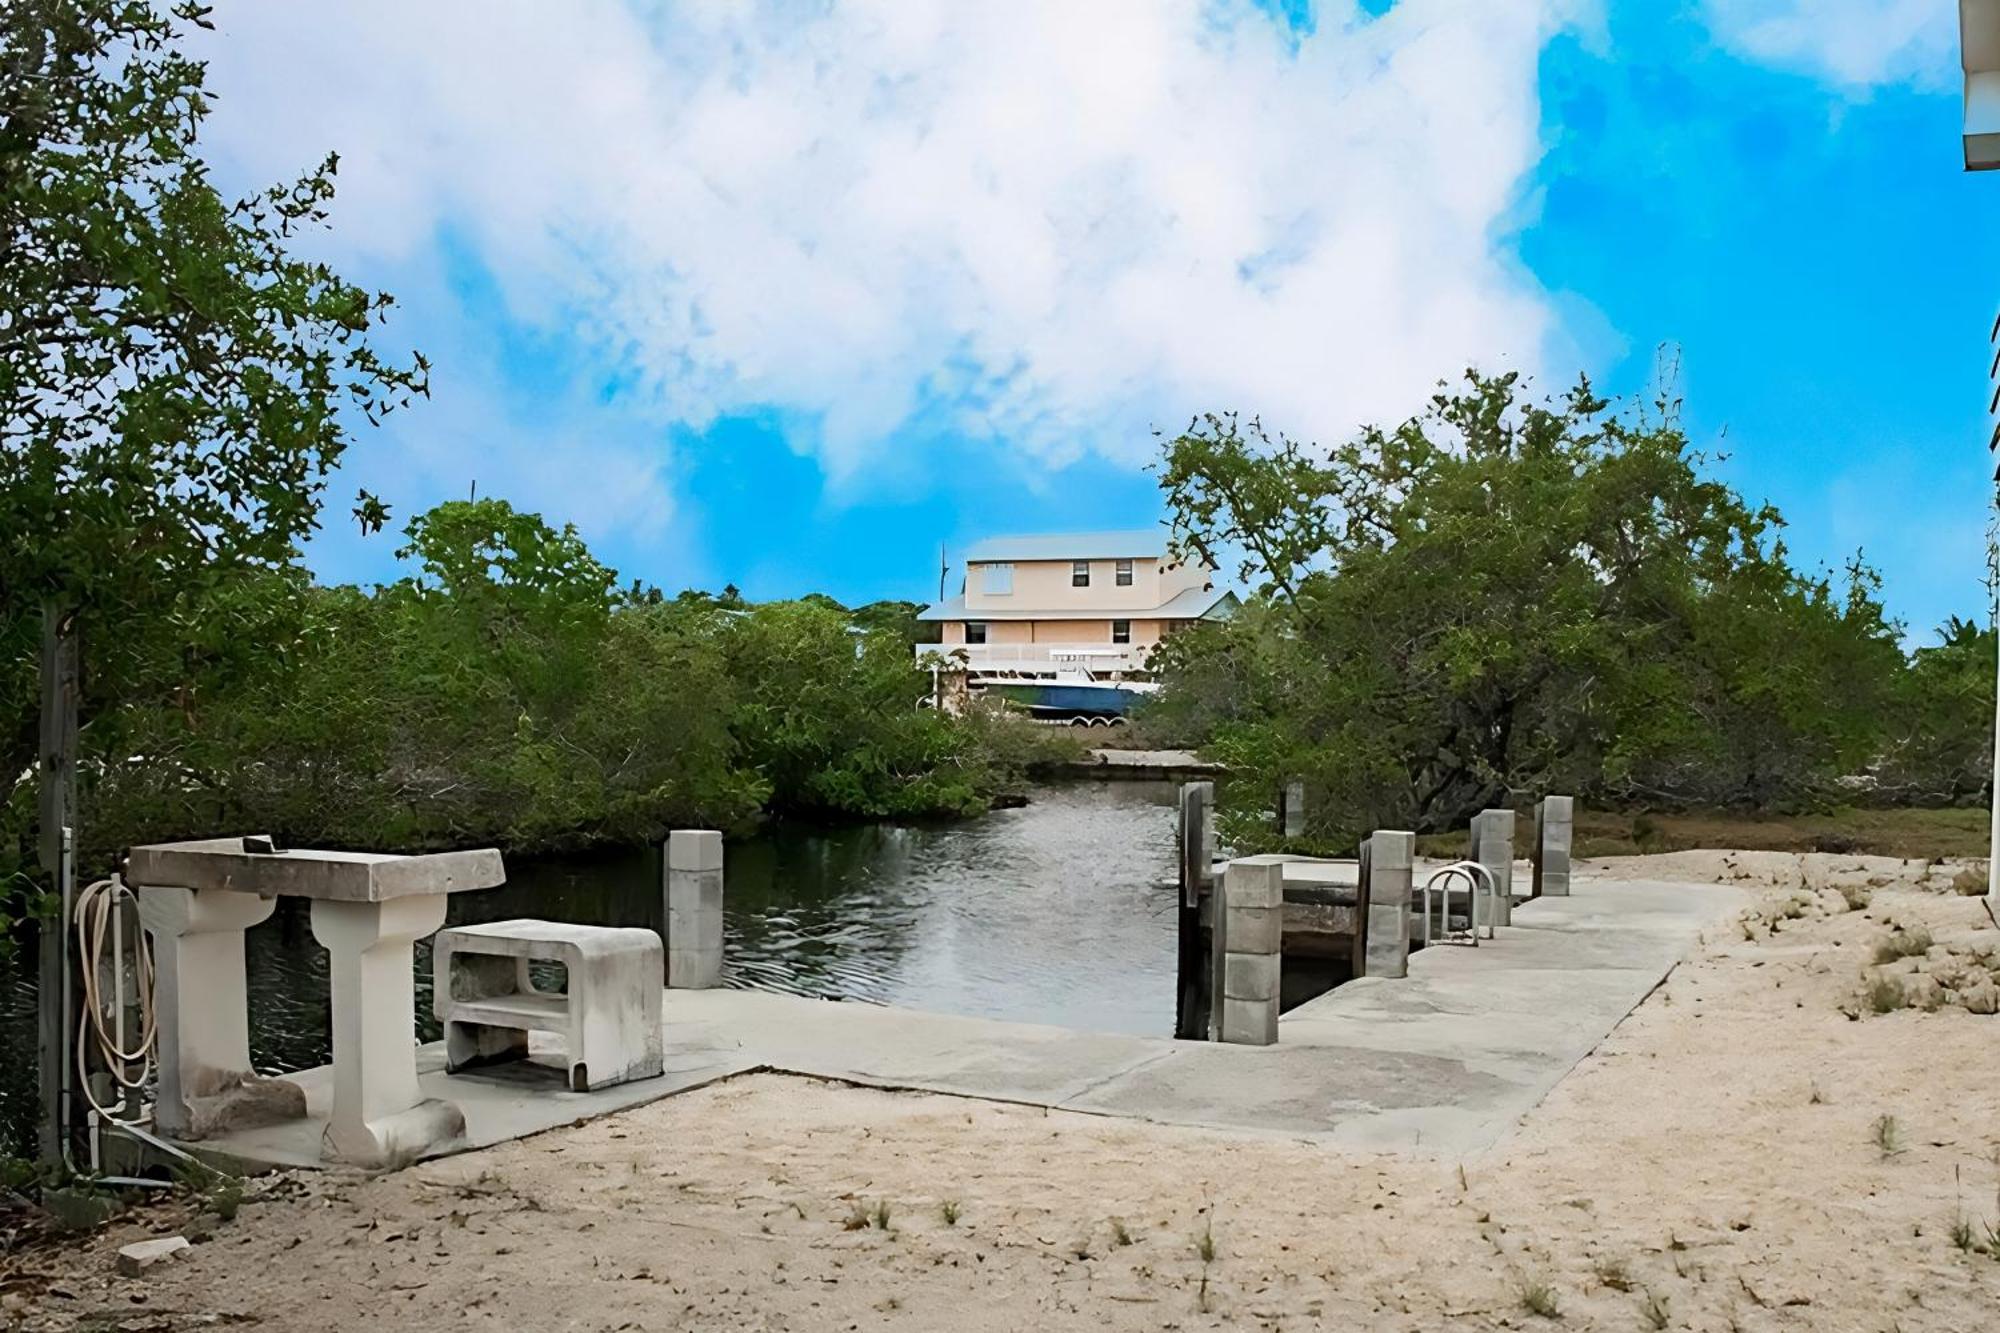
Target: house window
point(975, 631)
point(999, 579)
point(1079, 574)
point(1124, 573)
point(1121, 631)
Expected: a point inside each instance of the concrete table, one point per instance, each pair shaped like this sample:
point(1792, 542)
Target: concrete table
point(197, 898)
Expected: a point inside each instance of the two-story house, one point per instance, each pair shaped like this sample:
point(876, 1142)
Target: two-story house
point(1098, 601)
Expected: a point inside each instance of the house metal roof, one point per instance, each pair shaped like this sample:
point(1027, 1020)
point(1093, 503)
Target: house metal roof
point(1193, 604)
point(1139, 544)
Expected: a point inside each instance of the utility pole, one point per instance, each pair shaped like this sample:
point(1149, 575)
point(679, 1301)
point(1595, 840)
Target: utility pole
point(57, 815)
point(1979, 55)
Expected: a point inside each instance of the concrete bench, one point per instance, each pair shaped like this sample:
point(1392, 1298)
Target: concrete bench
point(488, 1002)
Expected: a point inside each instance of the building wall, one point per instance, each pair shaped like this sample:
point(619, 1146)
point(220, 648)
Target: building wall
point(1045, 585)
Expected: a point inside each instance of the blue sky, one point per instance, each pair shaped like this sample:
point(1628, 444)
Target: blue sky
point(788, 296)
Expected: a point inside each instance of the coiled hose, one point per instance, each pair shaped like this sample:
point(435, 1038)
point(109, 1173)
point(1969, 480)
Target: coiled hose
point(100, 1030)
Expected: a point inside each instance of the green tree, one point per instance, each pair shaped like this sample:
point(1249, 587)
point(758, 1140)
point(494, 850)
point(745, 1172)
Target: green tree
point(1500, 598)
point(1941, 748)
point(175, 385)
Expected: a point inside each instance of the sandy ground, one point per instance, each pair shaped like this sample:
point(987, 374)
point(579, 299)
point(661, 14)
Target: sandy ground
point(1721, 1162)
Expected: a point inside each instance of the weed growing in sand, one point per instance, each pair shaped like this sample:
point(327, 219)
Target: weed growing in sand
point(1656, 1310)
point(1613, 1274)
point(1119, 1235)
point(948, 1210)
point(1818, 1097)
point(880, 1217)
point(1539, 1298)
point(1963, 1235)
point(1858, 896)
point(1205, 1247)
point(1885, 995)
point(1463, 1184)
point(1888, 1135)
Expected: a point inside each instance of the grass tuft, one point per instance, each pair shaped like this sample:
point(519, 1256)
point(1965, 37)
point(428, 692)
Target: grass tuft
point(1888, 1135)
point(1886, 995)
point(948, 1210)
point(1539, 1298)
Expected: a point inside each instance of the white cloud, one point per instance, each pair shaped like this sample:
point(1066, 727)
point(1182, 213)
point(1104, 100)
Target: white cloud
point(1050, 223)
point(1854, 44)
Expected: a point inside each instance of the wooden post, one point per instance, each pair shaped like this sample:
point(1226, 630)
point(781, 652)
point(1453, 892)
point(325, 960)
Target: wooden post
point(1362, 901)
point(1196, 829)
point(56, 810)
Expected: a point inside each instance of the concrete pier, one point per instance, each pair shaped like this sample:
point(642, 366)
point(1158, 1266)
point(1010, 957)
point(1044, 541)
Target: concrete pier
point(1492, 845)
point(1442, 1062)
point(1292, 809)
point(1555, 823)
point(694, 909)
point(1389, 864)
point(1253, 906)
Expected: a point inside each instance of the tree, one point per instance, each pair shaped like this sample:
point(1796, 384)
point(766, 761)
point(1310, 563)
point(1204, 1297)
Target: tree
point(1500, 598)
point(175, 385)
point(1941, 748)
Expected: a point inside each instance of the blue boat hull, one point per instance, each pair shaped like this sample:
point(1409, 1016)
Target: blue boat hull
point(1048, 699)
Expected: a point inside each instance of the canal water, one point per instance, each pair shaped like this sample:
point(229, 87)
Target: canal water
point(1060, 912)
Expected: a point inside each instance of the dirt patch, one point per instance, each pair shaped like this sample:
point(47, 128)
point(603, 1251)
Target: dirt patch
point(1746, 1151)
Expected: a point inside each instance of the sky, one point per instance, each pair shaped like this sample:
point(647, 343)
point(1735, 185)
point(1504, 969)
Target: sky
point(790, 295)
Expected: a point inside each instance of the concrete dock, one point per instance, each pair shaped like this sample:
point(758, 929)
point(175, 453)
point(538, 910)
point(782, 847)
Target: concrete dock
point(1443, 1062)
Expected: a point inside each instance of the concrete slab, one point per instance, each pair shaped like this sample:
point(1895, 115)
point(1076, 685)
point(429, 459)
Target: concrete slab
point(1443, 1062)
point(306, 872)
point(500, 1103)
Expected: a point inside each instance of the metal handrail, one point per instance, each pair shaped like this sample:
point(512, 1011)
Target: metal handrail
point(1478, 882)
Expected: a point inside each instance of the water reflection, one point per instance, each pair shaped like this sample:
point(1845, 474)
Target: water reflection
point(1059, 912)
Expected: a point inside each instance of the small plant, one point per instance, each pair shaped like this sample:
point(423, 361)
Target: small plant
point(1205, 1247)
point(880, 1217)
point(1655, 1310)
point(1614, 1275)
point(1818, 1098)
point(1119, 1235)
point(1963, 1235)
point(1888, 1135)
point(948, 1210)
point(1539, 1298)
point(1886, 995)
point(1858, 896)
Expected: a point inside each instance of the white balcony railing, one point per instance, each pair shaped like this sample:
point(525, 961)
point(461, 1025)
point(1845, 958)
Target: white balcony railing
point(1040, 657)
